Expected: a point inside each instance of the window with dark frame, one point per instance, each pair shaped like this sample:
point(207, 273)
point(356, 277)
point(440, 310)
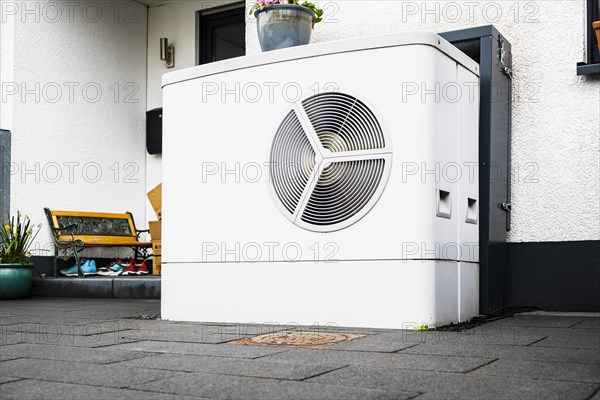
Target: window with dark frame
point(221, 33)
point(593, 14)
point(591, 64)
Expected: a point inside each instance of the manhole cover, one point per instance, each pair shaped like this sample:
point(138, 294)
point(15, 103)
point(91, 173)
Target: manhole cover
point(304, 339)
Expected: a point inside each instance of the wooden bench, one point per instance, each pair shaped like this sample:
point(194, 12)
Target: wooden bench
point(74, 231)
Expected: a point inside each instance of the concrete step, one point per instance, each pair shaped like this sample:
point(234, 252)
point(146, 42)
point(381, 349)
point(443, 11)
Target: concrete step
point(118, 287)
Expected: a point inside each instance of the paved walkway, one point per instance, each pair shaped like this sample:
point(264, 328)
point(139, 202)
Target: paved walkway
point(102, 349)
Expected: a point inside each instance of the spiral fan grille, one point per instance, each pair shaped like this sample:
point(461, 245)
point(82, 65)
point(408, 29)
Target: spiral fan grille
point(343, 123)
point(329, 162)
point(292, 161)
point(342, 191)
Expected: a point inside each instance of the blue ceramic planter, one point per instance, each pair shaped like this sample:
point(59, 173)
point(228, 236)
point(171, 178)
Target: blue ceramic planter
point(15, 281)
point(282, 26)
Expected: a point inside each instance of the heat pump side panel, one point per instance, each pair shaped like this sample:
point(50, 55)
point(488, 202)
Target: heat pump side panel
point(468, 165)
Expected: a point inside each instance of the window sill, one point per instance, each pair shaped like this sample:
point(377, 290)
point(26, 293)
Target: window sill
point(588, 69)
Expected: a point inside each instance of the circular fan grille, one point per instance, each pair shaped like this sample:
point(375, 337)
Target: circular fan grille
point(330, 160)
point(343, 123)
point(293, 161)
point(342, 191)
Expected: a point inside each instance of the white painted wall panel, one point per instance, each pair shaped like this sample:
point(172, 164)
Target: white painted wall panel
point(175, 20)
point(79, 113)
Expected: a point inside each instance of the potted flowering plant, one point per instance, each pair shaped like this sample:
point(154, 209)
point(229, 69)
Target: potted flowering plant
point(285, 23)
point(16, 236)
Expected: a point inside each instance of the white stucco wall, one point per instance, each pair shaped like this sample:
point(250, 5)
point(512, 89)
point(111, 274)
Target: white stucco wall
point(78, 133)
point(7, 42)
point(556, 114)
point(175, 20)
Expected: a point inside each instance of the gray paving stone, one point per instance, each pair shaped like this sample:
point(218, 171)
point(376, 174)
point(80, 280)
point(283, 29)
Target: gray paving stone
point(439, 385)
point(333, 328)
point(10, 339)
point(386, 342)
point(8, 355)
point(71, 308)
point(9, 320)
point(486, 334)
point(382, 360)
point(78, 373)
point(66, 338)
point(6, 379)
point(200, 349)
point(108, 315)
point(232, 387)
point(79, 328)
point(588, 323)
point(67, 353)
point(40, 390)
point(537, 321)
point(48, 319)
point(199, 336)
point(230, 366)
point(543, 370)
point(206, 328)
point(505, 335)
point(572, 338)
point(525, 353)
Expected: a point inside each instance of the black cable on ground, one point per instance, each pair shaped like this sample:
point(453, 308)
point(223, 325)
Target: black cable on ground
point(497, 313)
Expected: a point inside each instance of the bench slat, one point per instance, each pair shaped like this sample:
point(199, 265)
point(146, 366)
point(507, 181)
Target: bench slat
point(107, 241)
point(95, 227)
point(88, 214)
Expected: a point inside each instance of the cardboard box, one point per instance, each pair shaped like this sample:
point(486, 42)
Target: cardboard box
point(156, 261)
point(155, 230)
point(155, 198)
point(156, 247)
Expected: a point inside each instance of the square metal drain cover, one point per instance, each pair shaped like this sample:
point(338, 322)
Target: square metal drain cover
point(303, 339)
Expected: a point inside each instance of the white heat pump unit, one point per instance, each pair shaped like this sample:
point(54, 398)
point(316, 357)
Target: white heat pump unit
point(334, 183)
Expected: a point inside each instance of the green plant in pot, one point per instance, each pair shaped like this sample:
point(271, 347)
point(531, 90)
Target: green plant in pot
point(16, 236)
point(285, 23)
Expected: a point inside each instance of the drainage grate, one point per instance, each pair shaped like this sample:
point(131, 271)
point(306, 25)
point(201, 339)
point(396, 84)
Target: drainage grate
point(303, 339)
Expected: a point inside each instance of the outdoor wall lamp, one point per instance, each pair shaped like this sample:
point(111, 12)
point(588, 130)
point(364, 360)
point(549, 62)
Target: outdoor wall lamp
point(167, 52)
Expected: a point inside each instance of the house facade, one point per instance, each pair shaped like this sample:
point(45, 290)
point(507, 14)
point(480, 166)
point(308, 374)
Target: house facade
point(78, 77)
